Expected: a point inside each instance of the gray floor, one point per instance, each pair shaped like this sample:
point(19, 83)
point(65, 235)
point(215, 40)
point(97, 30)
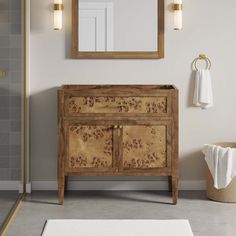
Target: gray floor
point(206, 217)
point(7, 200)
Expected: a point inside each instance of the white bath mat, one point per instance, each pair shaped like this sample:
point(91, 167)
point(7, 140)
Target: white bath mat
point(117, 228)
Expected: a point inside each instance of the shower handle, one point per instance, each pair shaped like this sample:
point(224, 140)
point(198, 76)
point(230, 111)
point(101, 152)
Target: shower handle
point(3, 73)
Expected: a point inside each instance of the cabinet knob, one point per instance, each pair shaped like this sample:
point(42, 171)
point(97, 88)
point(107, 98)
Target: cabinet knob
point(120, 127)
point(115, 126)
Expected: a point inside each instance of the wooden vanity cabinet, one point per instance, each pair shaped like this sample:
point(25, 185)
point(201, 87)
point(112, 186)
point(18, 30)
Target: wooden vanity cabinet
point(118, 130)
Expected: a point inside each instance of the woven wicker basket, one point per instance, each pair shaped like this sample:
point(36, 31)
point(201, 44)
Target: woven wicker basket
point(227, 194)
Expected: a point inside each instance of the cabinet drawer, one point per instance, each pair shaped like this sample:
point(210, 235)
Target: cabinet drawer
point(79, 105)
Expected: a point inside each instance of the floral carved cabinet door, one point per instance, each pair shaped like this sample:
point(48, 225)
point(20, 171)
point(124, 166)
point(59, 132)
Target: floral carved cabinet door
point(145, 146)
point(90, 147)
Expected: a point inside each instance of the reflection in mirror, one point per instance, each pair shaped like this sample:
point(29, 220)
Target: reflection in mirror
point(118, 25)
point(11, 106)
point(118, 29)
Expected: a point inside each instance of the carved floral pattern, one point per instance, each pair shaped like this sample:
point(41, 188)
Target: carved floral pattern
point(90, 146)
point(156, 105)
point(144, 147)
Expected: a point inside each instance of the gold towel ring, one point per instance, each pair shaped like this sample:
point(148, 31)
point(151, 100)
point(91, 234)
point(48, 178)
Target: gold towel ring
point(201, 57)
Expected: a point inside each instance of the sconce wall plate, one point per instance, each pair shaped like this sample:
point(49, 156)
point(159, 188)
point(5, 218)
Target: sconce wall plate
point(177, 7)
point(58, 7)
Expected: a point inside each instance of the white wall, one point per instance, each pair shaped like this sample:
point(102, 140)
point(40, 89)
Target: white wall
point(209, 27)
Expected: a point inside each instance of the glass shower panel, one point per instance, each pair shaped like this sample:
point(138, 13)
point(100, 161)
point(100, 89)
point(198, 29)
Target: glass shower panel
point(11, 102)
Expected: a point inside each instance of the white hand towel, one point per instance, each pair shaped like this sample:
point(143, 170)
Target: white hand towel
point(203, 96)
point(221, 162)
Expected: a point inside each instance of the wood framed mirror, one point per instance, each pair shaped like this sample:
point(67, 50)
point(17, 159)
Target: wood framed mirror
point(117, 29)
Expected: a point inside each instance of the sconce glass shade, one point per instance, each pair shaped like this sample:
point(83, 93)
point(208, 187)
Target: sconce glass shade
point(58, 8)
point(178, 22)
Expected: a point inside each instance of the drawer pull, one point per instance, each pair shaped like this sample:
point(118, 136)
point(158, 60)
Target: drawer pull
point(120, 127)
point(115, 126)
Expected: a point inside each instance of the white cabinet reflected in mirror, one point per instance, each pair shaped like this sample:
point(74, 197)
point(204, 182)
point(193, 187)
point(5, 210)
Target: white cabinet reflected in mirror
point(118, 25)
point(118, 29)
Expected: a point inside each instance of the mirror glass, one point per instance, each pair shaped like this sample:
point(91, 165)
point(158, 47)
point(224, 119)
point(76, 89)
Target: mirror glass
point(118, 25)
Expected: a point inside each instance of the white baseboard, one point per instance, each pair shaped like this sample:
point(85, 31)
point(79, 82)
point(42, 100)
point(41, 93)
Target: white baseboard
point(119, 185)
point(28, 188)
point(10, 185)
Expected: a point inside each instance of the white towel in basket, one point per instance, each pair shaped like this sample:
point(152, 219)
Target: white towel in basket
point(221, 162)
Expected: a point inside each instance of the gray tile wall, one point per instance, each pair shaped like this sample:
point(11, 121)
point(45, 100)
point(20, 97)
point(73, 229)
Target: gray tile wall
point(10, 89)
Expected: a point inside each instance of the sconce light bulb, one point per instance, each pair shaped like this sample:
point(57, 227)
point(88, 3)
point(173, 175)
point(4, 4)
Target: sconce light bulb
point(178, 22)
point(58, 8)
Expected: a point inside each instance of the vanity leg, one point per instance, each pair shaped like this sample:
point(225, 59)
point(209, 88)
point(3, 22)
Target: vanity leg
point(170, 183)
point(61, 189)
point(61, 181)
point(175, 189)
point(66, 183)
point(60, 172)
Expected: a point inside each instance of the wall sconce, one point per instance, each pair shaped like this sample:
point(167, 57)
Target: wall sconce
point(58, 8)
point(177, 7)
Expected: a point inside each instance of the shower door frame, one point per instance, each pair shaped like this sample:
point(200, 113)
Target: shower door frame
point(25, 8)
